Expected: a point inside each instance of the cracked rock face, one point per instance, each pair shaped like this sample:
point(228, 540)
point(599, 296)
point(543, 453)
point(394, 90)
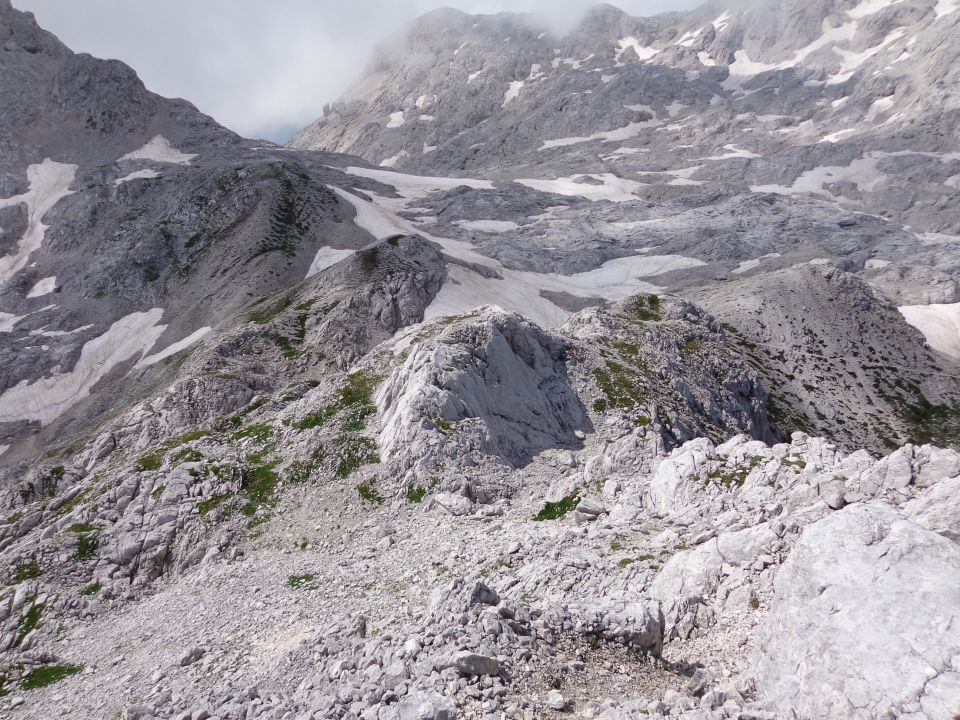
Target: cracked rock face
point(499, 375)
point(280, 438)
point(861, 622)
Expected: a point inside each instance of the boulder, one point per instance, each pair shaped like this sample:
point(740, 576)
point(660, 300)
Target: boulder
point(863, 619)
point(470, 663)
point(938, 509)
point(426, 707)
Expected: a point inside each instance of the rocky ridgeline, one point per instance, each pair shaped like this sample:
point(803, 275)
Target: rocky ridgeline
point(251, 469)
point(625, 566)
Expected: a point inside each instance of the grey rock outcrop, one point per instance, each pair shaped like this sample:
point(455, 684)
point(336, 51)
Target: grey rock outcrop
point(836, 641)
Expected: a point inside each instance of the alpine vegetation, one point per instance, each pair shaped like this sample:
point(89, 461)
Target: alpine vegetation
point(606, 375)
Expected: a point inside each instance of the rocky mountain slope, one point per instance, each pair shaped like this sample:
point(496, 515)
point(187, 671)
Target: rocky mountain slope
point(747, 138)
point(286, 434)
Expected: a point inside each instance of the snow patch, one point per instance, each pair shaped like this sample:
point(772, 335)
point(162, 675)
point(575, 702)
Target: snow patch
point(879, 107)
point(675, 108)
point(875, 264)
point(743, 66)
point(369, 217)
point(520, 292)
point(945, 7)
point(49, 183)
point(48, 398)
point(870, 7)
point(159, 149)
point(513, 92)
point(837, 136)
point(147, 174)
point(174, 348)
point(43, 332)
point(851, 61)
point(618, 135)
point(689, 37)
point(747, 265)
point(487, 226)
point(8, 321)
point(732, 152)
point(43, 287)
point(705, 59)
point(940, 325)
point(393, 160)
point(413, 187)
point(608, 187)
point(396, 120)
point(721, 22)
point(863, 173)
point(643, 52)
point(327, 257)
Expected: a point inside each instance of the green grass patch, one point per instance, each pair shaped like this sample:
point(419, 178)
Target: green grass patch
point(259, 432)
point(626, 562)
point(29, 623)
point(644, 308)
point(150, 462)
point(259, 487)
point(620, 385)
point(353, 453)
point(416, 494)
point(237, 419)
point(556, 510)
point(91, 589)
point(191, 436)
point(356, 396)
point(286, 345)
point(369, 493)
point(307, 581)
point(81, 528)
point(188, 455)
point(28, 571)
point(269, 312)
point(48, 675)
point(71, 504)
point(737, 477)
point(211, 503)
point(86, 547)
point(300, 472)
point(369, 259)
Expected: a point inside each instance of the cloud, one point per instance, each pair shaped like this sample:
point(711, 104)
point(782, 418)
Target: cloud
point(264, 69)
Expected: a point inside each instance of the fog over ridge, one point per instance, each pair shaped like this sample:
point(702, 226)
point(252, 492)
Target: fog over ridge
point(266, 70)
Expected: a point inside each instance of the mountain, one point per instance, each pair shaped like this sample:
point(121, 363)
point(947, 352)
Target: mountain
point(748, 139)
point(523, 426)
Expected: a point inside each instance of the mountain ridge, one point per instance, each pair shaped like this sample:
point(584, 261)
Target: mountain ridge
point(529, 432)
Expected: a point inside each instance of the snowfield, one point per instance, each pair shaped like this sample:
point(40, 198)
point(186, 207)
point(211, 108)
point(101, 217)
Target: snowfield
point(940, 325)
point(43, 287)
point(327, 257)
point(607, 186)
point(159, 149)
point(487, 226)
point(147, 174)
point(48, 398)
point(49, 183)
point(172, 349)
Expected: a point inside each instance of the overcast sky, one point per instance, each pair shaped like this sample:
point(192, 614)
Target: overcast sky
point(264, 68)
